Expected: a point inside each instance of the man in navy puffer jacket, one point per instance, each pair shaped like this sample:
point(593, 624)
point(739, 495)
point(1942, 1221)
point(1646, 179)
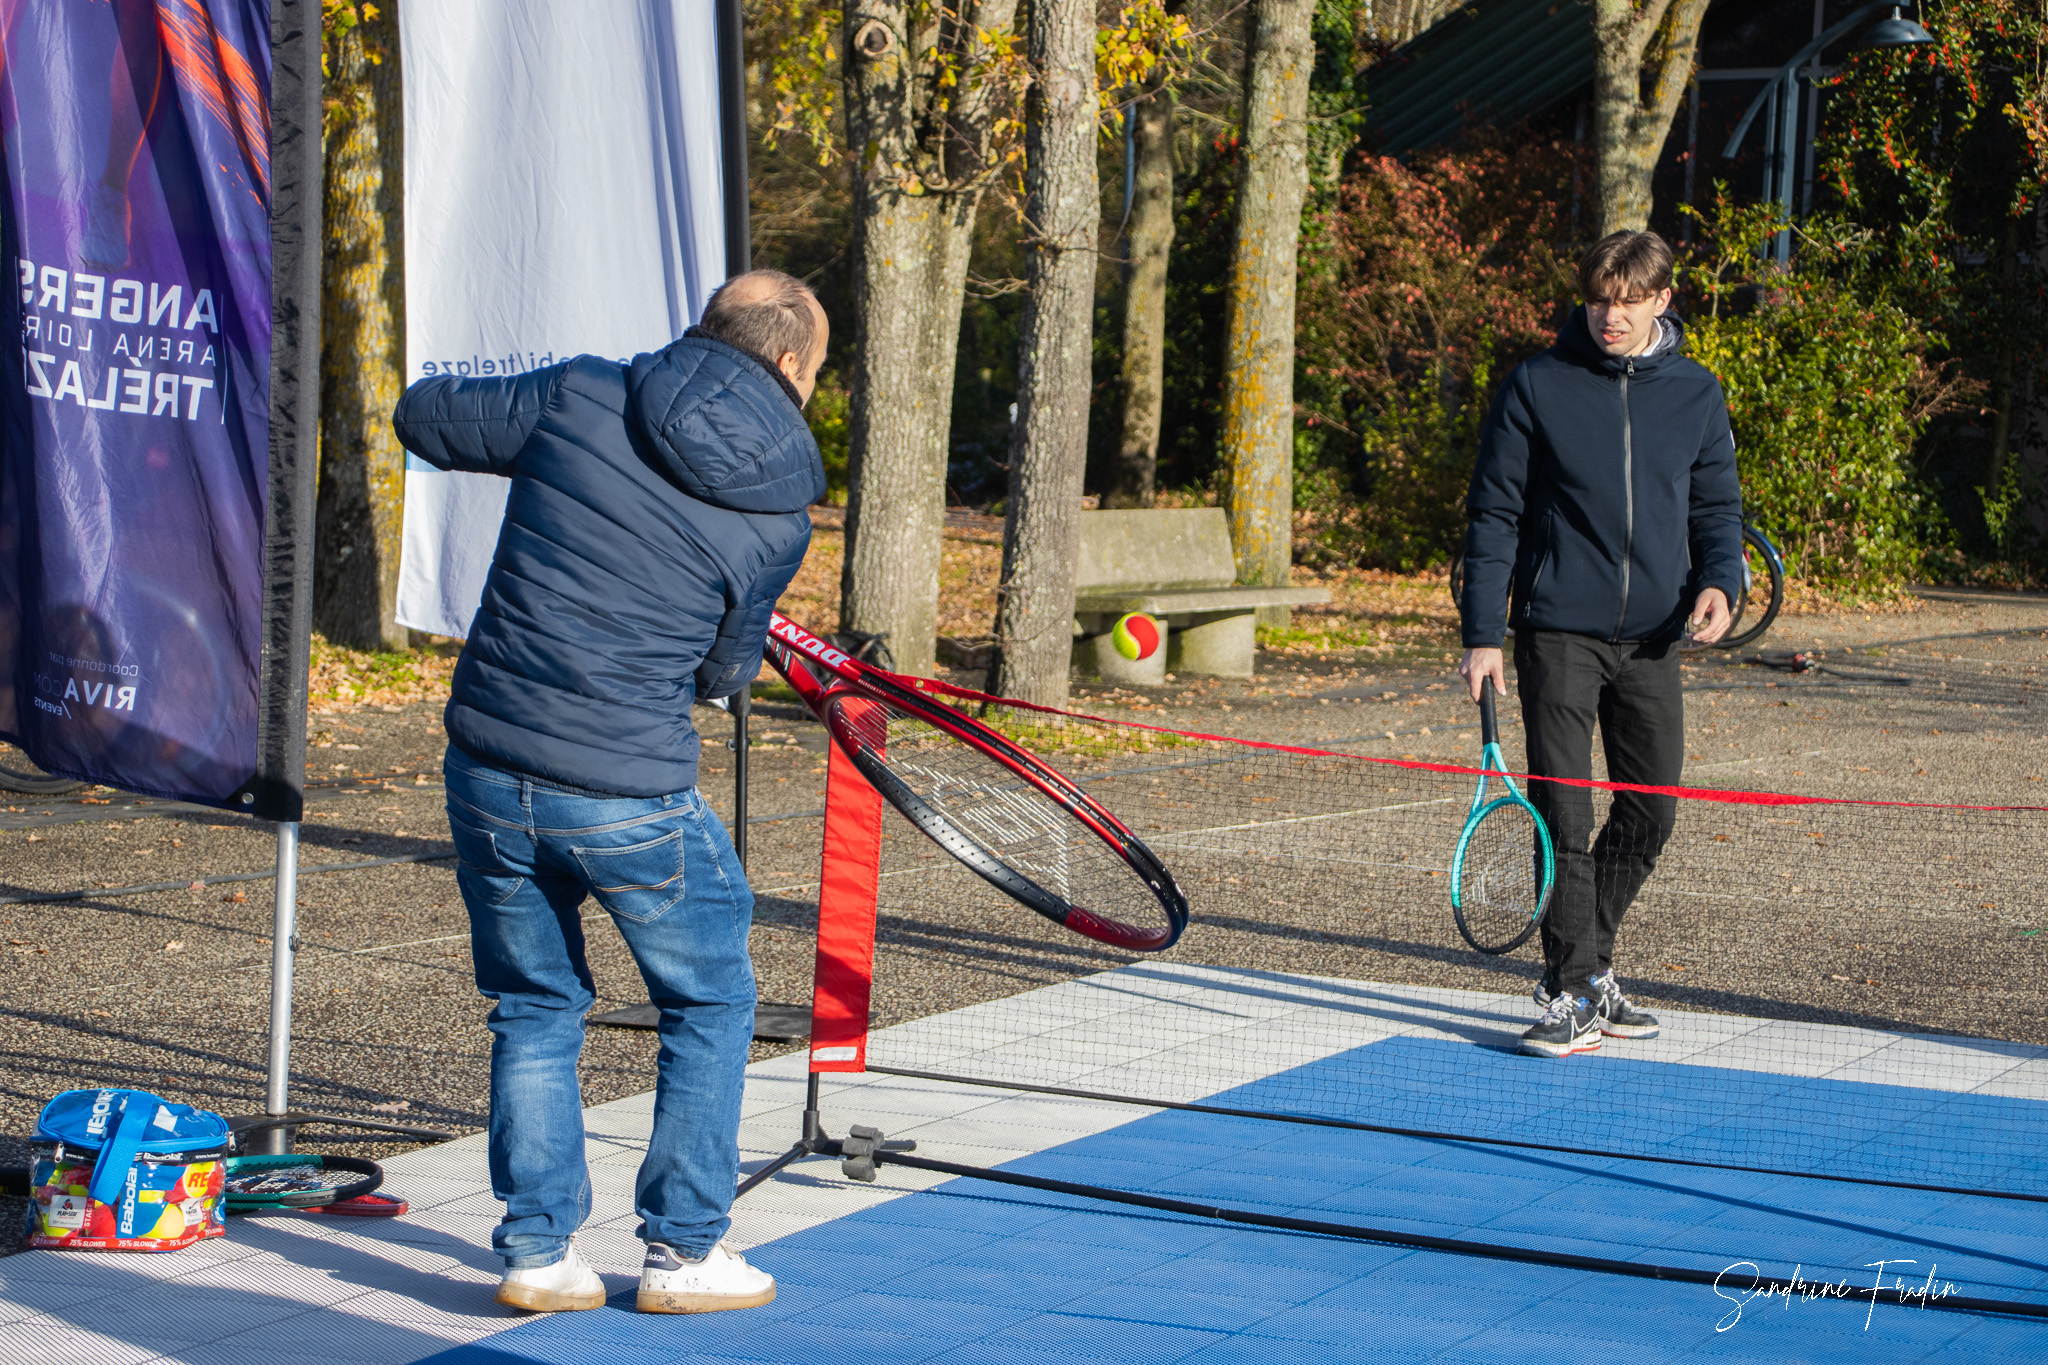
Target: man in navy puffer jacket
point(1604, 522)
point(657, 511)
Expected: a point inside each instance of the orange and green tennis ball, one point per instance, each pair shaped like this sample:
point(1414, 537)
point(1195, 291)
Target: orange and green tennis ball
point(1136, 635)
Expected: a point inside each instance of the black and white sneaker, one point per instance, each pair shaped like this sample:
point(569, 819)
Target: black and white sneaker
point(1567, 1026)
point(1620, 1019)
point(1545, 992)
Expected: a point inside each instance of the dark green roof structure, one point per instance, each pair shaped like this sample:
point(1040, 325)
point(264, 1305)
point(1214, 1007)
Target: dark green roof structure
point(1495, 60)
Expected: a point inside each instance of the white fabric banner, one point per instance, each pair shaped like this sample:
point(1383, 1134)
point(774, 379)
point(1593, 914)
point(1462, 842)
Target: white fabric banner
point(562, 197)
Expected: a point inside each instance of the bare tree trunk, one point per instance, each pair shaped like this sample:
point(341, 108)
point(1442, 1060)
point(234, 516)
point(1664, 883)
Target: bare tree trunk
point(1148, 243)
point(1643, 60)
point(1258, 369)
point(1049, 443)
point(362, 345)
point(920, 149)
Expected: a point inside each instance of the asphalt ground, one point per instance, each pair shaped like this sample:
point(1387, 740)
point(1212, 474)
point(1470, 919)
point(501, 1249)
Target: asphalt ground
point(168, 989)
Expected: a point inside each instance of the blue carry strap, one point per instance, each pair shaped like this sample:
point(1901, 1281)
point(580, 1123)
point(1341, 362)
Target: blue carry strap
point(110, 1167)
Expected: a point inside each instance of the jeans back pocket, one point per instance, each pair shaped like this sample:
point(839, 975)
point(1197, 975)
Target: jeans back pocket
point(639, 882)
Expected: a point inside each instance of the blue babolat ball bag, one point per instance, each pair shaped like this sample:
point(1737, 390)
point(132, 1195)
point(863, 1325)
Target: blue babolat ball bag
point(125, 1170)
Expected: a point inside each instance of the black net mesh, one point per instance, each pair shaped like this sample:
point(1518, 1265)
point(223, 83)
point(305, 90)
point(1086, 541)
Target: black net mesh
point(1843, 989)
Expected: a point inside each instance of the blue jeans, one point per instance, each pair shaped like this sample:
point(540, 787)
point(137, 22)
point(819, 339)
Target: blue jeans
point(664, 869)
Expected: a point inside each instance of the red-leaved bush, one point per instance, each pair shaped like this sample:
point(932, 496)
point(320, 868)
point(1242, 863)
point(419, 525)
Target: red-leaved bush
point(1425, 283)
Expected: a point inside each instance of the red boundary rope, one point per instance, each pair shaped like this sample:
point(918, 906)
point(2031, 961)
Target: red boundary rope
point(1739, 798)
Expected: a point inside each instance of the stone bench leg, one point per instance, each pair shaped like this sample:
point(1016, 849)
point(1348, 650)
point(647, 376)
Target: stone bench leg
point(1217, 643)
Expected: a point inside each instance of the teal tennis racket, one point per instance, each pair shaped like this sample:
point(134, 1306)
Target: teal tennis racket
point(1503, 870)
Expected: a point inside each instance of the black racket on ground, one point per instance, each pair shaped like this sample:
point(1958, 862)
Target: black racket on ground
point(297, 1181)
point(1012, 818)
point(1502, 872)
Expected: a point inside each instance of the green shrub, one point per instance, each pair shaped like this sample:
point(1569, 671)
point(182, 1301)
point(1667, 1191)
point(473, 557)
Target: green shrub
point(827, 413)
point(1828, 389)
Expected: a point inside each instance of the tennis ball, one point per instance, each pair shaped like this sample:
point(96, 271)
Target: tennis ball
point(171, 1225)
point(1136, 635)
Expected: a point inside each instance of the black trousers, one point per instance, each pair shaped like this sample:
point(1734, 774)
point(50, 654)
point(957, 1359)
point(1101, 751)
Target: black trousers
point(1567, 682)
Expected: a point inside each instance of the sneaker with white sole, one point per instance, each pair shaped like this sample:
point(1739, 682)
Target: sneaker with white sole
point(1545, 992)
point(717, 1281)
point(1568, 1025)
point(1620, 1018)
point(564, 1287)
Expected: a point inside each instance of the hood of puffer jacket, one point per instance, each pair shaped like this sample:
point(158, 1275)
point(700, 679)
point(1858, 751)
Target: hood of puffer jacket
point(724, 428)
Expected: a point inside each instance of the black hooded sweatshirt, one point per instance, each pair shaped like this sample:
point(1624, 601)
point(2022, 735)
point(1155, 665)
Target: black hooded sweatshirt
point(1604, 498)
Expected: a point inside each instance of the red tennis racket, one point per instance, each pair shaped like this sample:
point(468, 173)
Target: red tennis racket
point(1012, 818)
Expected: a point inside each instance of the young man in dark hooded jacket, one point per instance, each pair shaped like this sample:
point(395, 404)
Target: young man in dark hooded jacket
point(1604, 523)
point(657, 511)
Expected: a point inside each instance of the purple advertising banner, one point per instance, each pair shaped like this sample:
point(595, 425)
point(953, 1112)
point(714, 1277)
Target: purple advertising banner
point(133, 469)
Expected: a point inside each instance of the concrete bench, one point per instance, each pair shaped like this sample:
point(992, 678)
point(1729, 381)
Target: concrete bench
point(1174, 564)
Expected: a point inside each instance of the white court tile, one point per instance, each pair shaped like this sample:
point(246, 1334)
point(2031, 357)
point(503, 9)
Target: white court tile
point(2027, 1081)
point(49, 1343)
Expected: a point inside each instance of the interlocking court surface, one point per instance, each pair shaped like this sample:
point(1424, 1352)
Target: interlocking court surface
point(924, 1267)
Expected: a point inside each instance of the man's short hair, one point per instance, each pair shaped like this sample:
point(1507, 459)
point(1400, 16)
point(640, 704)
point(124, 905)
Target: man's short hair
point(765, 312)
point(1626, 265)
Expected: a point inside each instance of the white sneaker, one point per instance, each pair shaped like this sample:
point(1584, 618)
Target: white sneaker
point(566, 1285)
point(670, 1284)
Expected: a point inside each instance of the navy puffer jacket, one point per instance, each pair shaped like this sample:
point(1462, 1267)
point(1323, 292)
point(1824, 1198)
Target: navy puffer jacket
point(1604, 498)
point(657, 511)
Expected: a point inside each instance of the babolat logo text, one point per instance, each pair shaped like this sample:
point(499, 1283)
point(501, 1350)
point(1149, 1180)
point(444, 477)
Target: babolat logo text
point(792, 633)
point(102, 1107)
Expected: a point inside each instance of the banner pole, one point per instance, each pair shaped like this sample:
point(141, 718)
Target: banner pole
point(284, 942)
point(732, 131)
point(739, 258)
point(277, 790)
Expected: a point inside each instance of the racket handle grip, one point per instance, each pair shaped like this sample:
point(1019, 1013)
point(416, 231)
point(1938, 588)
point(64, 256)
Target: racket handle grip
point(1489, 729)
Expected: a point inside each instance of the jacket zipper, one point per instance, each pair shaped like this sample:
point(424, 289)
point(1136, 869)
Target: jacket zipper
point(1628, 493)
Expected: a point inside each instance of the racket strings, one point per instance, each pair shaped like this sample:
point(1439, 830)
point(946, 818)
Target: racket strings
point(1002, 811)
point(1500, 879)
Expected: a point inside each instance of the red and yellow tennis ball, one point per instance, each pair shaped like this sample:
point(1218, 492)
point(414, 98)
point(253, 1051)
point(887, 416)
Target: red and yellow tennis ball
point(1136, 635)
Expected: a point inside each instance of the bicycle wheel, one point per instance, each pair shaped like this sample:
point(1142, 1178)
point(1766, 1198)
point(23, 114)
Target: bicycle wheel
point(1458, 575)
point(1763, 593)
point(19, 774)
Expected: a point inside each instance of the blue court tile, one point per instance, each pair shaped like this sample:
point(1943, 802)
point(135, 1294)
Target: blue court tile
point(1492, 1186)
point(1262, 1193)
point(1298, 1251)
point(1027, 1253)
point(1664, 1316)
point(786, 1343)
point(1347, 1327)
point(997, 1353)
point(959, 1320)
point(1135, 1343)
point(1471, 1303)
point(1159, 1151)
point(1242, 1278)
point(1092, 1169)
point(792, 1264)
point(964, 1205)
point(1504, 1346)
point(2006, 1336)
point(1256, 1350)
point(1003, 1287)
point(1133, 1230)
point(1201, 1309)
point(1350, 1168)
point(515, 1348)
point(847, 1237)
